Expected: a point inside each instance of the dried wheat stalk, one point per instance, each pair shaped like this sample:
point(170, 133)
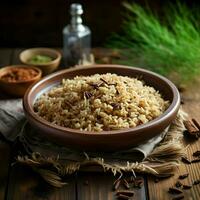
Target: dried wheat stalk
point(163, 159)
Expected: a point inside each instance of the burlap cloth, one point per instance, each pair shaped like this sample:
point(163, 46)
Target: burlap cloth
point(156, 156)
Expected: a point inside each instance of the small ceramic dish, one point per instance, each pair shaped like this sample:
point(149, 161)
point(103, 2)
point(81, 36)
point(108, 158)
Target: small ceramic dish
point(46, 67)
point(105, 140)
point(16, 79)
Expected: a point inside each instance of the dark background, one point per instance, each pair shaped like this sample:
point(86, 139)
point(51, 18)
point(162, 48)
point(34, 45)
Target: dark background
point(34, 23)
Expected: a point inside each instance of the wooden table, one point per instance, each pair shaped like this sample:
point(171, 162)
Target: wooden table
point(18, 182)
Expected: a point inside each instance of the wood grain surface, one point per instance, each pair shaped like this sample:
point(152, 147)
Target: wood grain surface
point(160, 190)
point(5, 153)
point(26, 184)
point(99, 186)
point(4, 168)
point(6, 57)
point(18, 182)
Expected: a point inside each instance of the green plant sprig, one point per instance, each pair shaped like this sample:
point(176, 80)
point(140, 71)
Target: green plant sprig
point(171, 48)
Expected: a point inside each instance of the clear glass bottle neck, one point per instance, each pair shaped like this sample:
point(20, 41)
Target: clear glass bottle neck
point(76, 19)
point(76, 23)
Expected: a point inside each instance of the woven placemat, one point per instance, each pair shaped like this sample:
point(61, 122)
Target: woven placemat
point(163, 159)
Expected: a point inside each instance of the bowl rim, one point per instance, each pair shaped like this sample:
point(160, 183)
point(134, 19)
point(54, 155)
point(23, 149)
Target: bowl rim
point(151, 124)
point(39, 75)
point(44, 49)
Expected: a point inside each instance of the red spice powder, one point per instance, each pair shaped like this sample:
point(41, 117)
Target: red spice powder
point(19, 74)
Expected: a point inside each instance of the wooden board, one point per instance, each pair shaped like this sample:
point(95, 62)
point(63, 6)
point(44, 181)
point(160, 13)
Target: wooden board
point(160, 190)
point(99, 186)
point(15, 58)
point(26, 184)
point(5, 57)
point(23, 183)
point(4, 168)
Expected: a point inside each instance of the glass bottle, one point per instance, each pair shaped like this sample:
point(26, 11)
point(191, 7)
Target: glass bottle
point(76, 38)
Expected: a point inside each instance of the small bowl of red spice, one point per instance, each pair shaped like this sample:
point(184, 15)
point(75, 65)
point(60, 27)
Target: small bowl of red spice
point(16, 79)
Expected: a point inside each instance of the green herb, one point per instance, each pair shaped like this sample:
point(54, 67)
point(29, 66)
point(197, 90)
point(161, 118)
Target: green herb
point(170, 47)
point(40, 59)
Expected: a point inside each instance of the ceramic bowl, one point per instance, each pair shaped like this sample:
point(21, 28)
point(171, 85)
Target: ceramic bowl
point(18, 88)
point(46, 68)
point(106, 140)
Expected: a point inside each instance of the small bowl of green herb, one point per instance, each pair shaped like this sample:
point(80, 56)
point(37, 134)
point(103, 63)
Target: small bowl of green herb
point(46, 59)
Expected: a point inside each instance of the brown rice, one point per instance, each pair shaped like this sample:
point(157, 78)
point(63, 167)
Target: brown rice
point(100, 102)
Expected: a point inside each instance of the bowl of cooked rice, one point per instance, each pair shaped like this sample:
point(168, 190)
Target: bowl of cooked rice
point(101, 107)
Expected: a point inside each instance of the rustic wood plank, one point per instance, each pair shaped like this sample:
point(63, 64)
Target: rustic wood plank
point(4, 166)
point(26, 184)
point(159, 190)
point(99, 186)
point(5, 56)
point(15, 59)
point(5, 59)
